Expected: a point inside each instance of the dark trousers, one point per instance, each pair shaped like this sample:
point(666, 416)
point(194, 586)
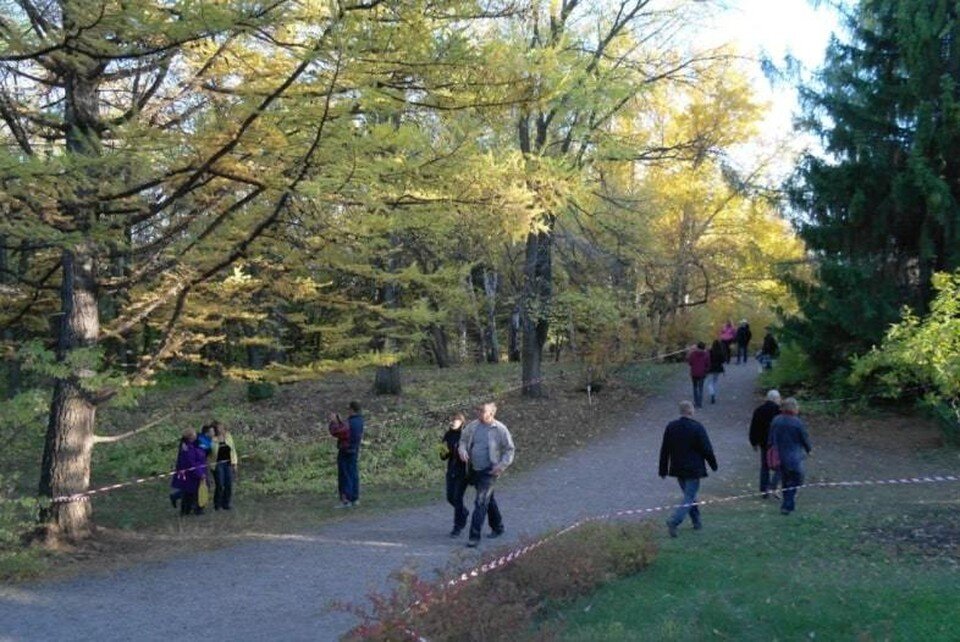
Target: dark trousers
point(727, 352)
point(188, 503)
point(485, 505)
point(792, 480)
point(769, 477)
point(741, 353)
point(348, 476)
point(697, 391)
point(223, 485)
point(456, 489)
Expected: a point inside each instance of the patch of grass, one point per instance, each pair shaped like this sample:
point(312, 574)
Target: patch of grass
point(836, 570)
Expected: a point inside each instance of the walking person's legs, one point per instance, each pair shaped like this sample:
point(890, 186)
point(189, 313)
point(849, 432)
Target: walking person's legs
point(792, 480)
point(225, 476)
point(353, 478)
point(690, 487)
point(484, 481)
point(218, 486)
point(714, 385)
point(764, 473)
point(342, 477)
point(456, 488)
point(698, 391)
point(494, 518)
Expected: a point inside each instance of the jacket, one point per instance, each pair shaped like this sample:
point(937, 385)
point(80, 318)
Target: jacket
point(191, 467)
point(455, 465)
point(728, 332)
point(789, 436)
point(341, 431)
point(355, 436)
point(684, 450)
point(499, 439)
point(744, 335)
point(699, 361)
point(760, 423)
point(717, 357)
point(770, 346)
point(228, 440)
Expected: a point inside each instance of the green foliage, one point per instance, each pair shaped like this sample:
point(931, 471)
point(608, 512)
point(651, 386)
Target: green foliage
point(260, 390)
point(791, 372)
point(921, 354)
point(881, 209)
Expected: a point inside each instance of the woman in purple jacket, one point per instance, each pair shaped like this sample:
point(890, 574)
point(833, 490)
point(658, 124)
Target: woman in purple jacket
point(191, 472)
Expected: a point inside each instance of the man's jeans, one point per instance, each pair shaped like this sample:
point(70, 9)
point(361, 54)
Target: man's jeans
point(741, 353)
point(792, 479)
point(223, 490)
point(697, 391)
point(713, 384)
point(769, 477)
point(456, 488)
point(690, 488)
point(348, 476)
point(485, 504)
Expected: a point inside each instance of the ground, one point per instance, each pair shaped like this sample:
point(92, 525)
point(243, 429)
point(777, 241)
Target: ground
point(279, 584)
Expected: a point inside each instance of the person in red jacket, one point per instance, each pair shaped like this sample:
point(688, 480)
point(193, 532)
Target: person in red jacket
point(699, 360)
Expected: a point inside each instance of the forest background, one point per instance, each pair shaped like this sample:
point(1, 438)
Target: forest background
point(280, 192)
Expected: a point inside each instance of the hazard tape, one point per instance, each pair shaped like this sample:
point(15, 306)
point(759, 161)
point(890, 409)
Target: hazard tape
point(515, 554)
point(463, 403)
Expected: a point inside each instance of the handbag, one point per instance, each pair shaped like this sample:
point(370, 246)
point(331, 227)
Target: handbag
point(203, 495)
point(773, 457)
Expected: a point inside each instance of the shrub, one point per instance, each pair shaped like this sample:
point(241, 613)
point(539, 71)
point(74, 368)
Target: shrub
point(260, 390)
point(792, 370)
point(507, 604)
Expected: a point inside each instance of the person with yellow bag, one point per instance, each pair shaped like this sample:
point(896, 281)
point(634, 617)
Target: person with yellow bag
point(225, 459)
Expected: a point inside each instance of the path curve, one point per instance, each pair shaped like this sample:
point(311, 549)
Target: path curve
point(280, 588)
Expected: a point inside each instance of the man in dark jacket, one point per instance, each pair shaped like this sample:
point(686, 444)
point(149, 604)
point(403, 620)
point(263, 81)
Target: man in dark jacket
point(743, 341)
point(684, 450)
point(769, 351)
point(759, 433)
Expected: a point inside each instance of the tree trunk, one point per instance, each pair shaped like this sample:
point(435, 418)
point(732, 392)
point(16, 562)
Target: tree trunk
point(462, 343)
point(68, 446)
point(514, 349)
point(490, 284)
point(439, 345)
point(387, 379)
point(535, 311)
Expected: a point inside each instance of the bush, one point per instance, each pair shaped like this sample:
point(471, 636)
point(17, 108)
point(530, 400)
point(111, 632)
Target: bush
point(508, 604)
point(791, 371)
point(260, 390)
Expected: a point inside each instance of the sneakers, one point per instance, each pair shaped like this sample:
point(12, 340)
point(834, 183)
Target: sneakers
point(473, 543)
point(671, 528)
point(344, 504)
point(456, 532)
point(698, 526)
point(495, 534)
point(784, 511)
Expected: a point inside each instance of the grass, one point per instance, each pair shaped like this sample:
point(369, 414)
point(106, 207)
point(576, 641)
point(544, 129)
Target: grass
point(884, 565)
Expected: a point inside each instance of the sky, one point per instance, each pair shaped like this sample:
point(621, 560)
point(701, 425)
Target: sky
point(774, 28)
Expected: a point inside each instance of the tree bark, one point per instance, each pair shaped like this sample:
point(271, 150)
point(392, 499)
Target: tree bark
point(535, 310)
point(491, 282)
point(439, 345)
point(68, 446)
point(514, 343)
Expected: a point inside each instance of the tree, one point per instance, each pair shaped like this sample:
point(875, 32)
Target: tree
point(879, 209)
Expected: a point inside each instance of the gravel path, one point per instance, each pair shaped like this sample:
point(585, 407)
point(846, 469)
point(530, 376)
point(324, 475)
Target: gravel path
point(279, 587)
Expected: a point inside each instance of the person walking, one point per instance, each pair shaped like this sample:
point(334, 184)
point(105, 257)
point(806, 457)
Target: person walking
point(728, 334)
point(760, 435)
point(769, 351)
point(191, 471)
point(456, 473)
point(788, 435)
point(341, 432)
point(355, 426)
point(699, 361)
point(225, 459)
point(717, 357)
point(743, 337)
point(487, 447)
point(683, 453)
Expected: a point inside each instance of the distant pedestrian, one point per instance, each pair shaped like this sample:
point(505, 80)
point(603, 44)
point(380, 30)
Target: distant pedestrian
point(341, 432)
point(699, 361)
point(743, 337)
point(191, 472)
point(789, 436)
point(760, 436)
point(487, 447)
point(683, 453)
point(728, 334)
point(355, 425)
point(769, 351)
point(225, 460)
point(456, 473)
point(716, 369)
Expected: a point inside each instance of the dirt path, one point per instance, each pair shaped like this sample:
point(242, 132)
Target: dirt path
point(280, 586)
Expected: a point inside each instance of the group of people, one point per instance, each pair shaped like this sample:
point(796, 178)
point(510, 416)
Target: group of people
point(706, 366)
point(204, 460)
point(776, 431)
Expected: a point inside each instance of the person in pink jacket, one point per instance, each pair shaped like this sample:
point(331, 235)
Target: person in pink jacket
point(727, 334)
point(699, 360)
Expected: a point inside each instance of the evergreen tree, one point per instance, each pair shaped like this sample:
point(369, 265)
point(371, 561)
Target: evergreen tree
point(879, 210)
